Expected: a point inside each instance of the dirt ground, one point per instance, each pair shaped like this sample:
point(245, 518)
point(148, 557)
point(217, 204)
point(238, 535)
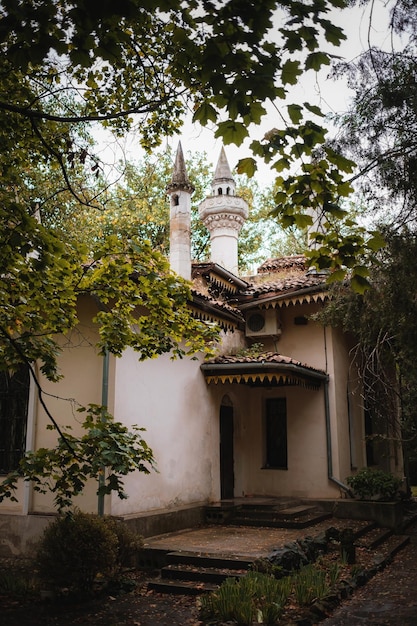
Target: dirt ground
point(389, 599)
point(138, 608)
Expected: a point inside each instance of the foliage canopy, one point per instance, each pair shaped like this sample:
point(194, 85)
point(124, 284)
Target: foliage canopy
point(141, 64)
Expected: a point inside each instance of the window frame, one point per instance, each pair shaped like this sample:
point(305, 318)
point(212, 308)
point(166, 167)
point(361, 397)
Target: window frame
point(275, 458)
point(15, 405)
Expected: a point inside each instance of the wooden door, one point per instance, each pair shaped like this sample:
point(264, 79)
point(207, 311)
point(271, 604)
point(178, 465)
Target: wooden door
point(227, 479)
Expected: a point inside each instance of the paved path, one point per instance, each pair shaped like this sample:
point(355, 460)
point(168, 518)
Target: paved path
point(389, 599)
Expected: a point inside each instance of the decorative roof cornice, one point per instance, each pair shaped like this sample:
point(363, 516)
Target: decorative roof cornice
point(219, 275)
point(209, 310)
point(269, 368)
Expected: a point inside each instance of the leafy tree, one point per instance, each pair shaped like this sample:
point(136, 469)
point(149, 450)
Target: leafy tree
point(136, 205)
point(65, 469)
point(146, 66)
point(384, 321)
point(66, 67)
point(379, 130)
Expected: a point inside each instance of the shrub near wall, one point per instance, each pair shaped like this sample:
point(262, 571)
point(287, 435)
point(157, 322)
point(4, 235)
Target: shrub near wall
point(374, 484)
point(78, 547)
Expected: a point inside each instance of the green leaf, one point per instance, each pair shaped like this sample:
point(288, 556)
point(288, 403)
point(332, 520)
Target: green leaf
point(290, 72)
point(314, 109)
point(334, 209)
point(359, 284)
point(232, 132)
point(247, 166)
point(205, 113)
point(295, 113)
point(334, 34)
point(336, 276)
point(360, 270)
point(281, 164)
point(315, 60)
point(376, 242)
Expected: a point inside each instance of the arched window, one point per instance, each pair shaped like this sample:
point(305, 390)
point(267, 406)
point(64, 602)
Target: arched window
point(175, 200)
point(220, 191)
point(14, 401)
point(228, 191)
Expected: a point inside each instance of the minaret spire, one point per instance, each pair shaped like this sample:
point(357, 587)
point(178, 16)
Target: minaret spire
point(223, 213)
point(180, 178)
point(223, 178)
point(180, 190)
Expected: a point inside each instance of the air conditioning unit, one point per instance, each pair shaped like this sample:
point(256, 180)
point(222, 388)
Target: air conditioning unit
point(263, 323)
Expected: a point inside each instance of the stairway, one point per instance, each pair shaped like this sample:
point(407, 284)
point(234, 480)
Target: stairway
point(279, 513)
point(190, 573)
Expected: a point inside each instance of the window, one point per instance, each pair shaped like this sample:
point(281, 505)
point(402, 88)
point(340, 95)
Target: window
point(276, 433)
point(14, 400)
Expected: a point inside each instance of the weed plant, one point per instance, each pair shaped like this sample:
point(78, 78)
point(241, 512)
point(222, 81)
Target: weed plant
point(255, 597)
point(309, 585)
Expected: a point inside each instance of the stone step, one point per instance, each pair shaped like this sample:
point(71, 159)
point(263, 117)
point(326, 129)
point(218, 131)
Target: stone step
point(200, 574)
point(181, 587)
point(208, 561)
point(304, 521)
point(192, 573)
point(296, 511)
point(268, 505)
point(374, 537)
point(276, 513)
point(223, 512)
point(397, 543)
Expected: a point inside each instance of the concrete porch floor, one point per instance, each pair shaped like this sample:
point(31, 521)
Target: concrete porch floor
point(233, 540)
point(238, 541)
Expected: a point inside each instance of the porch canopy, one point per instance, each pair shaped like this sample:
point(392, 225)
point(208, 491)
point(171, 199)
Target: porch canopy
point(263, 370)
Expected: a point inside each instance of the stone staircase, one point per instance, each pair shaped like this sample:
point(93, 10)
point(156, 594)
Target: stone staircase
point(279, 513)
point(194, 573)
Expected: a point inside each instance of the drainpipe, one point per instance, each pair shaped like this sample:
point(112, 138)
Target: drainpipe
point(104, 403)
point(329, 441)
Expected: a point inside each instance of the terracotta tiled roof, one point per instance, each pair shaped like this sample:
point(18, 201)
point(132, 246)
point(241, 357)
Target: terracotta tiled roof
point(286, 284)
point(280, 282)
point(267, 369)
point(295, 261)
point(264, 357)
point(281, 276)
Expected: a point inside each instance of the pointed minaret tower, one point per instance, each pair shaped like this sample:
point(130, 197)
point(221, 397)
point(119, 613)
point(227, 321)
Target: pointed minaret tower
point(223, 214)
point(180, 190)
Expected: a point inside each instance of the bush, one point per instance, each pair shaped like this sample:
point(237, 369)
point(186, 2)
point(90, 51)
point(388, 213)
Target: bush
point(129, 543)
point(76, 548)
point(374, 484)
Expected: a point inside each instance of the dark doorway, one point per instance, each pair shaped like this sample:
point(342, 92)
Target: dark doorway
point(227, 479)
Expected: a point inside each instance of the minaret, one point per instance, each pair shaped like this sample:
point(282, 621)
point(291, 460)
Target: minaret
point(223, 214)
point(180, 190)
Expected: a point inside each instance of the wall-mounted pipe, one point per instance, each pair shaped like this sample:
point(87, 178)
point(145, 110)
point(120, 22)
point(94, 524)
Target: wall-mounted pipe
point(335, 480)
point(104, 404)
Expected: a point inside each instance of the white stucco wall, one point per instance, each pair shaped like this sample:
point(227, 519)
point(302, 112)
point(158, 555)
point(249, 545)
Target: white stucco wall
point(306, 475)
point(171, 400)
point(81, 385)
